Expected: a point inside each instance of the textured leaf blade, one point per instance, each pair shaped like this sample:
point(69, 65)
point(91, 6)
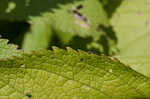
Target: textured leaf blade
point(70, 74)
point(7, 50)
point(132, 27)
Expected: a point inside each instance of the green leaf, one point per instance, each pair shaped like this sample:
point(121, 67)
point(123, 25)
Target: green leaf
point(131, 22)
point(110, 6)
point(61, 74)
point(21, 10)
point(67, 24)
point(7, 50)
point(66, 21)
point(39, 35)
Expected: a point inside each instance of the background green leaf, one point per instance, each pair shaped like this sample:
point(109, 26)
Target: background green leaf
point(110, 6)
point(66, 27)
point(59, 21)
point(39, 35)
point(69, 74)
point(21, 10)
point(131, 23)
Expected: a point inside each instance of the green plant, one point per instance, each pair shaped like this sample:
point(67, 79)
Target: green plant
point(116, 29)
point(132, 29)
point(69, 74)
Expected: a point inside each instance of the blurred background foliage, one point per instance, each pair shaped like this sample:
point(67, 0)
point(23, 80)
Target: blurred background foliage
point(33, 24)
point(117, 28)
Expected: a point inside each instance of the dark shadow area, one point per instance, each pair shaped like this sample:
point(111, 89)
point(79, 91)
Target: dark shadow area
point(14, 31)
point(108, 32)
point(107, 39)
point(55, 41)
point(110, 6)
point(75, 43)
point(104, 42)
point(25, 8)
point(80, 43)
point(95, 51)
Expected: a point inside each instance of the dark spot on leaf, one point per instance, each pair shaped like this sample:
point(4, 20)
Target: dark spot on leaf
point(146, 23)
point(139, 13)
point(118, 14)
point(77, 12)
point(28, 95)
point(90, 52)
point(79, 7)
point(81, 59)
point(147, 3)
point(80, 17)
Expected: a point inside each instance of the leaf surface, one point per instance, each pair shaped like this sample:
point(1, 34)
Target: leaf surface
point(39, 35)
point(67, 22)
point(131, 23)
point(69, 75)
point(7, 50)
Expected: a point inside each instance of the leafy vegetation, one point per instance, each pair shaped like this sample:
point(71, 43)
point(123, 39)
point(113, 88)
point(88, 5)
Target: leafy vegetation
point(32, 69)
point(85, 75)
point(132, 28)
